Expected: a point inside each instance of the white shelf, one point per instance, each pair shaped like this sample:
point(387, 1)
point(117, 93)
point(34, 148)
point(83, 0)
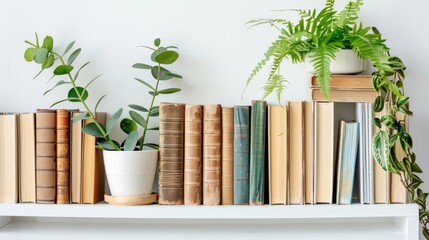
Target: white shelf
point(33, 221)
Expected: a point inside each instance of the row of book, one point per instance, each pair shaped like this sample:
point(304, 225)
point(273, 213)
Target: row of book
point(300, 153)
point(45, 158)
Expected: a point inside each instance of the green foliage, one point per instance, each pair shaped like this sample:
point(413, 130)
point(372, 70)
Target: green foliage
point(46, 57)
point(319, 35)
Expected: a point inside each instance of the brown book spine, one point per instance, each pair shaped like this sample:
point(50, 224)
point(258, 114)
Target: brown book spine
point(63, 153)
point(45, 156)
point(212, 154)
point(193, 154)
point(227, 156)
point(347, 82)
point(341, 95)
point(171, 139)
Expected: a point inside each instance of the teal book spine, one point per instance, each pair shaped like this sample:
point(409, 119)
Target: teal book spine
point(241, 154)
point(257, 152)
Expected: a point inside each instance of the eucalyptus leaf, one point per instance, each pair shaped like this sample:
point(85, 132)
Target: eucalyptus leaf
point(127, 125)
point(64, 100)
point(145, 83)
point(92, 129)
point(90, 82)
point(30, 53)
point(73, 56)
point(112, 121)
point(75, 93)
point(59, 83)
point(80, 117)
point(131, 141)
point(63, 69)
point(157, 42)
point(48, 62)
point(142, 66)
point(78, 71)
point(98, 102)
point(108, 144)
point(48, 43)
point(69, 47)
point(154, 94)
point(169, 90)
point(164, 73)
point(151, 145)
point(156, 53)
point(138, 108)
point(138, 118)
point(167, 57)
point(41, 55)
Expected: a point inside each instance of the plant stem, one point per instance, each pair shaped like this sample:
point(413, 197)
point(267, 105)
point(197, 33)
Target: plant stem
point(150, 108)
point(91, 114)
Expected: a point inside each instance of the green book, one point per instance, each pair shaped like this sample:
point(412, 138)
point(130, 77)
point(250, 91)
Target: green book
point(241, 154)
point(257, 152)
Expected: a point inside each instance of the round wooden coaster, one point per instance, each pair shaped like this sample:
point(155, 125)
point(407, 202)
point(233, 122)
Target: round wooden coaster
point(130, 201)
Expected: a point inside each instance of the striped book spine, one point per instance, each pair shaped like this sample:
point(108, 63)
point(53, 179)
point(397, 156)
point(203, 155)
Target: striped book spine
point(63, 154)
point(257, 152)
point(241, 154)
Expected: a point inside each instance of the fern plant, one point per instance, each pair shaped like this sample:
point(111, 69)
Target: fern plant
point(320, 35)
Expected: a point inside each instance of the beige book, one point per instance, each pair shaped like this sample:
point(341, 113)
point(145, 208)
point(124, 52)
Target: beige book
point(398, 193)
point(76, 139)
point(27, 158)
point(8, 158)
point(171, 153)
point(342, 95)
point(309, 151)
point(93, 175)
point(296, 153)
point(227, 156)
point(381, 177)
point(324, 161)
point(347, 82)
point(212, 154)
point(193, 154)
point(277, 154)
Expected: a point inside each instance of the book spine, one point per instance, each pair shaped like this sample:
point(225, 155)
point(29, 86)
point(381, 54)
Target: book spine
point(63, 160)
point(27, 158)
point(241, 154)
point(45, 156)
point(171, 141)
point(9, 158)
point(212, 154)
point(227, 156)
point(193, 154)
point(257, 152)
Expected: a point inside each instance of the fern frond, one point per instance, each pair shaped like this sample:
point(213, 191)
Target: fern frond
point(275, 84)
point(349, 14)
point(321, 60)
point(264, 21)
point(267, 56)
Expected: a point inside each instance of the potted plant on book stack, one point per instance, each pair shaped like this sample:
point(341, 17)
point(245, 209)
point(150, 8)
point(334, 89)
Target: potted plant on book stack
point(321, 37)
point(130, 167)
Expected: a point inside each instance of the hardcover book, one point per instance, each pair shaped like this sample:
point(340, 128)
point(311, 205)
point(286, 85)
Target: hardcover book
point(351, 82)
point(398, 193)
point(296, 154)
point(193, 154)
point(63, 156)
point(76, 140)
point(171, 153)
point(8, 158)
point(241, 154)
point(27, 158)
point(345, 95)
point(46, 156)
point(212, 152)
point(227, 155)
point(257, 152)
point(277, 154)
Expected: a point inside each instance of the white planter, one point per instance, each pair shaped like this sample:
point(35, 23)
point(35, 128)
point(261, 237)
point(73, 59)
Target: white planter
point(130, 173)
point(345, 62)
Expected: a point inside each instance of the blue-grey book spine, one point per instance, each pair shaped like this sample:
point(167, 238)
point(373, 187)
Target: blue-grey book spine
point(257, 152)
point(241, 154)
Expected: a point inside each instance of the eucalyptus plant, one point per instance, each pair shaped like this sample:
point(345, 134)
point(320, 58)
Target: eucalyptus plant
point(320, 35)
point(66, 74)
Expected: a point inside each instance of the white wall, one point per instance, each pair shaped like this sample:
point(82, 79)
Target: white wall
point(217, 51)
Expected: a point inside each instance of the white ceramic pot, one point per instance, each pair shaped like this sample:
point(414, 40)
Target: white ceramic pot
point(345, 62)
point(130, 173)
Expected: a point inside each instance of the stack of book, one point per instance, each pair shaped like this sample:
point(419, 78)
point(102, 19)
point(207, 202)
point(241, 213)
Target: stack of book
point(45, 158)
point(346, 88)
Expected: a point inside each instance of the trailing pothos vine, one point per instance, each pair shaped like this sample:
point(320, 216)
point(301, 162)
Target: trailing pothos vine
point(319, 35)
